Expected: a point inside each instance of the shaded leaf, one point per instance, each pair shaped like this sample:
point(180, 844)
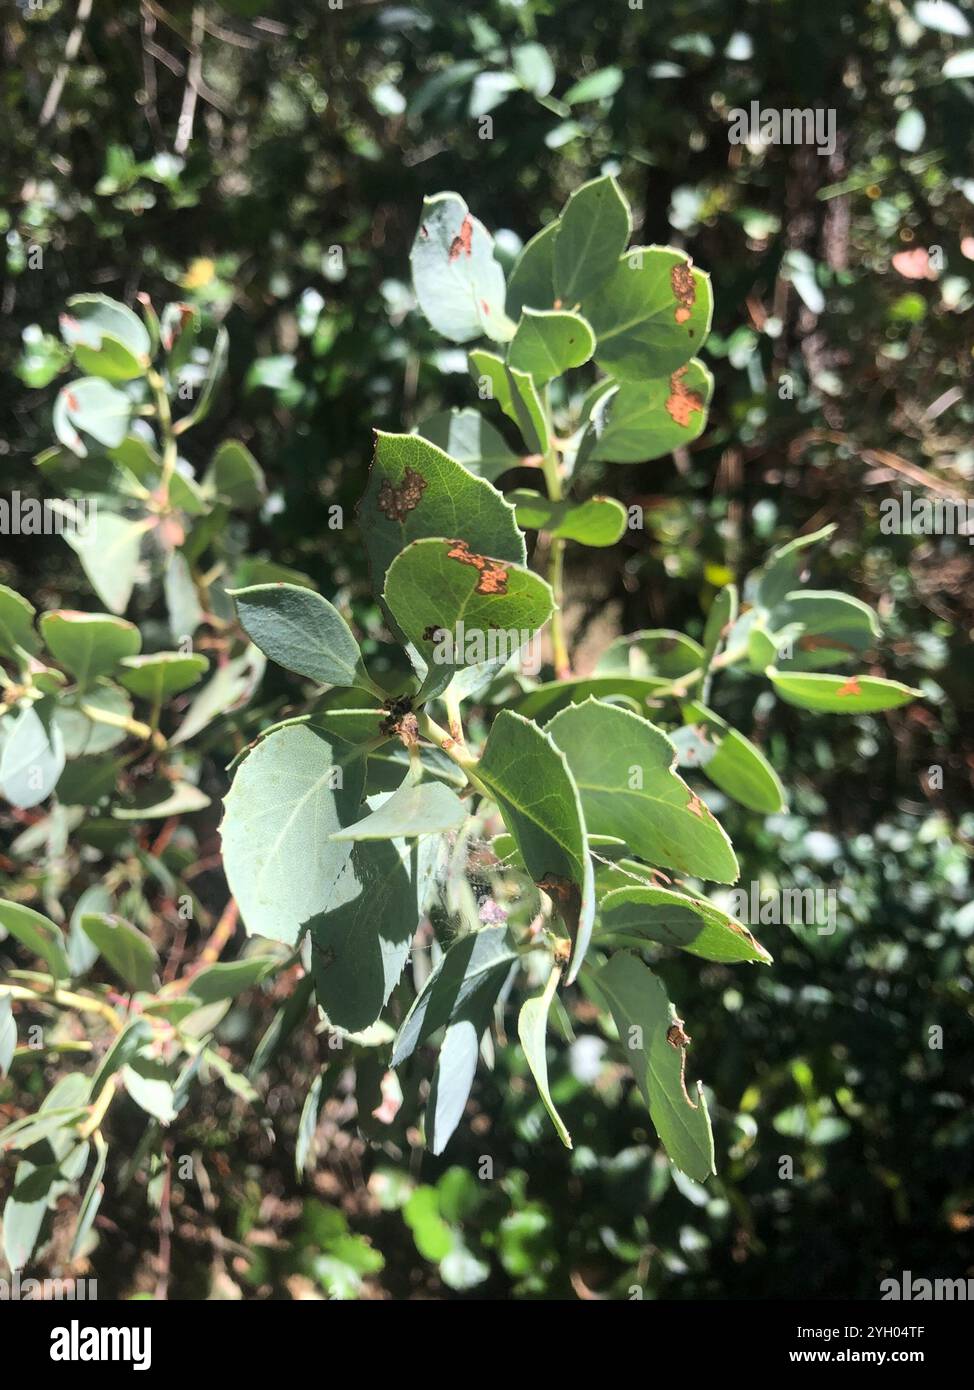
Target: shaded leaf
point(651, 1037)
point(529, 777)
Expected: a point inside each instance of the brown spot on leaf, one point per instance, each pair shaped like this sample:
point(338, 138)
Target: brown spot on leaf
point(851, 687)
point(676, 1036)
point(567, 898)
point(684, 290)
point(812, 641)
point(493, 573)
point(696, 806)
point(72, 400)
point(397, 501)
point(461, 243)
point(681, 402)
point(400, 720)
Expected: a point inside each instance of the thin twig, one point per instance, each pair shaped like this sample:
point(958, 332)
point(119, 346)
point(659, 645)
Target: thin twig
point(53, 98)
point(187, 115)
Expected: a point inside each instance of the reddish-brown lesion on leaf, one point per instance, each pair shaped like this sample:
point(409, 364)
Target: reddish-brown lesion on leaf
point(493, 573)
point(462, 242)
point(677, 1036)
point(812, 642)
point(682, 402)
point(696, 806)
point(400, 720)
point(851, 687)
point(684, 290)
point(397, 501)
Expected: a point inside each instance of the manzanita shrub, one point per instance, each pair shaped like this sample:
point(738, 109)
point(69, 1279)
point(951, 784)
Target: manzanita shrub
point(458, 787)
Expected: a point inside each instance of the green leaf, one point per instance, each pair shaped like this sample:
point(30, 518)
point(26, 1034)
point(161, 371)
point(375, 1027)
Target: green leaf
point(736, 765)
point(160, 675)
point(89, 644)
point(231, 686)
point(23, 1134)
point(633, 914)
point(8, 1034)
point(456, 1067)
point(593, 232)
point(33, 755)
point(38, 934)
point(476, 964)
point(534, 68)
point(149, 1085)
point(359, 945)
point(215, 371)
point(644, 1018)
point(470, 439)
point(547, 699)
point(82, 951)
point(720, 619)
point(515, 393)
point(90, 406)
point(416, 491)
point(159, 799)
point(16, 623)
point(84, 737)
point(651, 315)
point(532, 1028)
point(308, 1125)
point(127, 952)
point(83, 783)
point(296, 787)
point(29, 1200)
point(658, 653)
point(459, 609)
point(784, 567)
point(235, 477)
point(841, 694)
point(532, 281)
point(642, 420)
point(458, 283)
point(182, 600)
point(227, 979)
point(623, 766)
point(91, 1201)
point(425, 808)
point(302, 632)
point(109, 555)
point(548, 342)
point(836, 626)
point(595, 86)
point(529, 778)
point(108, 339)
point(599, 521)
point(126, 1045)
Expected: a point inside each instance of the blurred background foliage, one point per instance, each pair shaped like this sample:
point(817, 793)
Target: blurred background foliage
point(267, 162)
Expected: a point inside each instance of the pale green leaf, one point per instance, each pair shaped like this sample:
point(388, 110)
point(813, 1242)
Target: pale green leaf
point(532, 1029)
point(297, 786)
point(623, 767)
